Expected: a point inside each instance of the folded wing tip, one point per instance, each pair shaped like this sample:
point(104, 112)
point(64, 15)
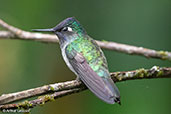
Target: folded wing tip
point(117, 100)
point(113, 100)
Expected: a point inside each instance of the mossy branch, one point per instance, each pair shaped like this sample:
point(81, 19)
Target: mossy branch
point(16, 33)
point(57, 90)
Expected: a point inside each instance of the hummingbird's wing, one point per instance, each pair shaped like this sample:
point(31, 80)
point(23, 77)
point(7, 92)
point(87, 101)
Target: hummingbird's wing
point(102, 87)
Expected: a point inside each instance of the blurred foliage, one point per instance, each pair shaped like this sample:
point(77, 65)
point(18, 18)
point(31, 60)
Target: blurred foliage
point(28, 64)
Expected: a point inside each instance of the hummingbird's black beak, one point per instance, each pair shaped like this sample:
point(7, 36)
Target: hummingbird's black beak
point(44, 30)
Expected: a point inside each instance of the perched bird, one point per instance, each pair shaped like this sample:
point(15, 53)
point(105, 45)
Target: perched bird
point(85, 58)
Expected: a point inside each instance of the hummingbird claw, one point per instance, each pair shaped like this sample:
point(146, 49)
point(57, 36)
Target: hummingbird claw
point(78, 78)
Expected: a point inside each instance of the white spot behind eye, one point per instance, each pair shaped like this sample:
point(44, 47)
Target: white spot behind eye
point(69, 29)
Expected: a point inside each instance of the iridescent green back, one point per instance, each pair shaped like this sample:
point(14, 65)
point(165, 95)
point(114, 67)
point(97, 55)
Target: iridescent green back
point(92, 53)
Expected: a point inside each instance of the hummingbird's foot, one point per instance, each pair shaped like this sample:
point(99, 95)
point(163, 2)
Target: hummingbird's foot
point(78, 78)
point(117, 100)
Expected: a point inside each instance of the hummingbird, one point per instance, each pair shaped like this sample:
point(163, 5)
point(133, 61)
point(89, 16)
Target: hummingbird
point(86, 59)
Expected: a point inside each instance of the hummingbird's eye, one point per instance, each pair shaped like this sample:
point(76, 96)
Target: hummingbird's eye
point(67, 29)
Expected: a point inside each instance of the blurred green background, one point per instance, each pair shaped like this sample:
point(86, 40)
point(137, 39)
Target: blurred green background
point(28, 64)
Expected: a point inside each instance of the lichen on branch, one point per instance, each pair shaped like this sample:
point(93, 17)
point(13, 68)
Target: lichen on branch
point(57, 90)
